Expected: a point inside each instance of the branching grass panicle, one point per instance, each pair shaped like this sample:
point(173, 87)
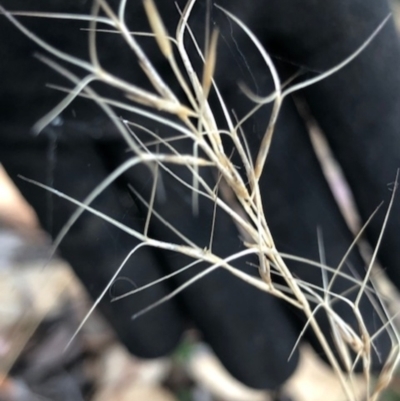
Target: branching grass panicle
point(240, 198)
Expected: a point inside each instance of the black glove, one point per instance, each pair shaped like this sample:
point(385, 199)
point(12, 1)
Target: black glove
point(251, 332)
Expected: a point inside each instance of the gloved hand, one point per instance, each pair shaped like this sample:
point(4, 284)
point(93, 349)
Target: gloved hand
point(252, 332)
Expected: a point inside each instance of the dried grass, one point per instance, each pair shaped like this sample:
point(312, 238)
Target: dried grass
point(198, 124)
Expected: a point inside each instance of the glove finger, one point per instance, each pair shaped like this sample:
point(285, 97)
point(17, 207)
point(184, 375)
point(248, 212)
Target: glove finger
point(297, 199)
point(93, 247)
point(300, 203)
point(238, 321)
point(363, 134)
